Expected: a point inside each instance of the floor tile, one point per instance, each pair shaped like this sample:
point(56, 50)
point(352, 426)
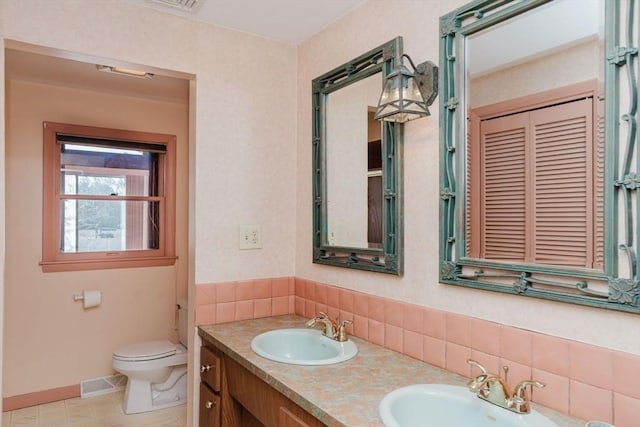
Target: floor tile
point(99, 411)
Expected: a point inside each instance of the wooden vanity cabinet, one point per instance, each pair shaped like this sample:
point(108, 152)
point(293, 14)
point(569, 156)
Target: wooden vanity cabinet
point(210, 404)
point(210, 386)
point(231, 396)
point(262, 405)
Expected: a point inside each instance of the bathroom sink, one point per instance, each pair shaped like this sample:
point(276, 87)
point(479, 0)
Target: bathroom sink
point(440, 405)
point(302, 347)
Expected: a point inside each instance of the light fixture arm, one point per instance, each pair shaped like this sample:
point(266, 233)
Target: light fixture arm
point(426, 75)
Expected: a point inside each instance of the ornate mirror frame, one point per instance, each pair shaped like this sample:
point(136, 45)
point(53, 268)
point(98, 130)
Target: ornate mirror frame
point(617, 286)
point(388, 259)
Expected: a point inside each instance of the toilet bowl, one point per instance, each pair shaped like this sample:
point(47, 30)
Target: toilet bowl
point(156, 371)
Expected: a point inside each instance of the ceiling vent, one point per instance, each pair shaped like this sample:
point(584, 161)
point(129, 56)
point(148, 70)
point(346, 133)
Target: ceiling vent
point(183, 5)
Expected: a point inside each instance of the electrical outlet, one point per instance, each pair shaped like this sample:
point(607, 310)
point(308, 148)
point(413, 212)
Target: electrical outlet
point(250, 237)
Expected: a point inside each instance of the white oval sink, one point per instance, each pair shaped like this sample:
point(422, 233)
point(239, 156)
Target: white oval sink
point(440, 405)
point(302, 347)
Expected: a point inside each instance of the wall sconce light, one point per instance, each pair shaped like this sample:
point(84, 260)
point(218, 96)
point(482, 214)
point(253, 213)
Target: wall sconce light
point(406, 95)
point(124, 71)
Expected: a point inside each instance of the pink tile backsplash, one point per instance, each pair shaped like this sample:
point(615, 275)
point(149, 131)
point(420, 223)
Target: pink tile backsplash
point(280, 287)
point(550, 354)
point(393, 313)
point(516, 372)
point(555, 395)
point(244, 310)
point(589, 402)
point(626, 410)
point(591, 365)
point(434, 323)
point(412, 344)
point(346, 300)
point(376, 332)
point(626, 374)
point(456, 359)
point(515, 344)
point(226, 292)
point(490, 362)
point(582, 380)
point(485, 336)
point(361, 326)
point(245, 290)
point(225, 312)
point(376, 308)
point(413, 318)
point(458, 329)
point(434, 351)
point(393, 337)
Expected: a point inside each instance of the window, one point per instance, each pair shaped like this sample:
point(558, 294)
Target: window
point(108, 198)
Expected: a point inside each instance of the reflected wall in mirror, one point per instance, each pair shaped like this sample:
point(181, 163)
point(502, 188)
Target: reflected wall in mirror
point(354, 167)
point(357, 167)
point(536, 176)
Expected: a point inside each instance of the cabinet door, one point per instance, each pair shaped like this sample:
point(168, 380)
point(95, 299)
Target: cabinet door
point(209, 407)
point(210, 367)
point(288, 419)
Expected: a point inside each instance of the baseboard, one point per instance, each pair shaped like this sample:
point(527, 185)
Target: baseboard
point(40, 397)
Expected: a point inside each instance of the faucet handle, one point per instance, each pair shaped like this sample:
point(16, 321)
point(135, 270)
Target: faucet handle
point(521, 387)
point(520, 400)
point(479, 381)
point(341, 335)
point(477, 365)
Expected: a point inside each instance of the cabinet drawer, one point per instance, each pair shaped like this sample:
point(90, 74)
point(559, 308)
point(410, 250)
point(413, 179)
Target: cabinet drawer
point(210, 368)
point(210, 407)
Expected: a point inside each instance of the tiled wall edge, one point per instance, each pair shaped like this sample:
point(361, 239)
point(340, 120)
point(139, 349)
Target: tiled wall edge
point(584, 381)
point(241, 300)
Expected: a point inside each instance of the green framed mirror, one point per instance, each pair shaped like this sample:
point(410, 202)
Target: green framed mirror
point(539, 166)
point(357, 167)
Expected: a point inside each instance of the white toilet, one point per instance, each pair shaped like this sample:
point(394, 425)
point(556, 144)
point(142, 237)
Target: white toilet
point(156, 370)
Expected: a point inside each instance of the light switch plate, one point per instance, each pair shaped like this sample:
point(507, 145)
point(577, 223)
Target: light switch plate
point(250, 237)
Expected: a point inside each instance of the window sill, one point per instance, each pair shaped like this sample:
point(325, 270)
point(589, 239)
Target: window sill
point(93, 264)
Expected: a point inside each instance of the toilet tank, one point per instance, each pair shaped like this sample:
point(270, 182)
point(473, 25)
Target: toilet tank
point(183, 322)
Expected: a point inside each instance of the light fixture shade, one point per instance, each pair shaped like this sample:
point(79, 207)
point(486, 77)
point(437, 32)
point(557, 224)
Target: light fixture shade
point(401, 99)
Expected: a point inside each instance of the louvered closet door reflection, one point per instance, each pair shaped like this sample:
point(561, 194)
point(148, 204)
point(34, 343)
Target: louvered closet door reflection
point(541, 200)
point(503, 190)
point(563, 184)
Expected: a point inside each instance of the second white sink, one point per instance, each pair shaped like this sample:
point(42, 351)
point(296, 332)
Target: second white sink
point(441, 405)
point(302, 347)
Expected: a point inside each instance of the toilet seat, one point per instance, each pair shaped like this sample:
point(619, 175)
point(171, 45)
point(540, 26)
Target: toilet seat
point(144, 351)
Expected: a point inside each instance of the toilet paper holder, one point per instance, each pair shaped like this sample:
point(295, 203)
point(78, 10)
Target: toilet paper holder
point(89, 298)
point(78, 297)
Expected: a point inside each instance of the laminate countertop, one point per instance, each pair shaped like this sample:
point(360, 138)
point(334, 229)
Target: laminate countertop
point(345, 394)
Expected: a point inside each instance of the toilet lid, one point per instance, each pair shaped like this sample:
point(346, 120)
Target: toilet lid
point(146, 350)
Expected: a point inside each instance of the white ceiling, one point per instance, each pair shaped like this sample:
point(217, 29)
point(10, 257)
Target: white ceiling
point(540, 31)
point(289, 21)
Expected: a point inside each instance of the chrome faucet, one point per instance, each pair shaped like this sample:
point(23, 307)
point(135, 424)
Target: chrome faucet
point(332, 330)
point(494, 389)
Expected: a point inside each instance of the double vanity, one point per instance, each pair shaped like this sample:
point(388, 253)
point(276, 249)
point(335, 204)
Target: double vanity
point(372, 384)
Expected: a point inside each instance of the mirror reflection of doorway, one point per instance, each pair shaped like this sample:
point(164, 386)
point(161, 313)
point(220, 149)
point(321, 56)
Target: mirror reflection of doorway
point(374, 180)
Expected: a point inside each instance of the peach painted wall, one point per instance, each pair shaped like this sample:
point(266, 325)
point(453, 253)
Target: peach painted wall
point(577, 64)
point(244, 109)
point(243, 125)
point(138, 304)
point(417, 21)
